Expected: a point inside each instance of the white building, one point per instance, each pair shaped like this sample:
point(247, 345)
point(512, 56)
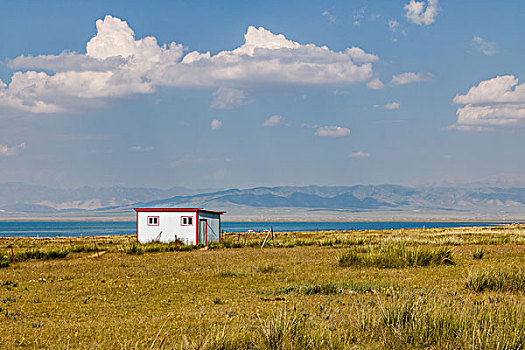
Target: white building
point(190, 225)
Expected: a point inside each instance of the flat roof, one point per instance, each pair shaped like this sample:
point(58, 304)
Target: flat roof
point(180, 209)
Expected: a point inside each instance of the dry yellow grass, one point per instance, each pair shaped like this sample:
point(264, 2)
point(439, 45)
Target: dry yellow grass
point(232, 297)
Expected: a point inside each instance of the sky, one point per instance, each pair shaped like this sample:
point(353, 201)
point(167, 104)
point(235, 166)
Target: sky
point(216, 94)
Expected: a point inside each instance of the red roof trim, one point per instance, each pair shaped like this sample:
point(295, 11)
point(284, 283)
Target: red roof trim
point(179, 209)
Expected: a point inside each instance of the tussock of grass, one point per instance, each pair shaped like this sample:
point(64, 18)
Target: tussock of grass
point(478, 253)
point(502, 280)
point(226, 274)
point(38, 254)
point(419, 321)
point(213, 299)
point(137, 248)
point(327, 288)
point(405, 321)
point(396, 255)
point(267, 269)
point(84, 249)
point(4, 262)
point(332, 288)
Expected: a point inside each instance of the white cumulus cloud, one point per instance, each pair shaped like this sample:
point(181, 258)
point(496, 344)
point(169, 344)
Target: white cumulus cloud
point(274, 120)
point(499, 101)
point(228, 98)
point(485, 47)
point(392, 105)
point(137, 148)
point(6, 151)
point(359, 155)
point(393, 25)
point(332, 131)
point(216, 124)
point(375, 84)
point(118, 64)
point(409, 77)
point(501, 89)
point(331, 18)
point(360, 56)
point(419, 12)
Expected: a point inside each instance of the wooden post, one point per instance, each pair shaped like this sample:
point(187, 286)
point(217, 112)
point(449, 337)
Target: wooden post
point(13, 254)
point(266, 240)
point(96, 248)
point(176, 243)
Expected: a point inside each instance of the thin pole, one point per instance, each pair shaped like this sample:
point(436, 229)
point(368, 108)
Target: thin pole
point(96, 248)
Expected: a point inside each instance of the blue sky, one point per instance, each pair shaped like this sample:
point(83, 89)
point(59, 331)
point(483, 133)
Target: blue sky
point(241, 94)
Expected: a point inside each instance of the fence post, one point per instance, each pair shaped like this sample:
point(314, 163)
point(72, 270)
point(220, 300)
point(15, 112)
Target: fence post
point(96, 248)
point(13, 254)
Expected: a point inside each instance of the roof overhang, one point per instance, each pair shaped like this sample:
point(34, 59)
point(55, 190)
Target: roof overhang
point(178, 210)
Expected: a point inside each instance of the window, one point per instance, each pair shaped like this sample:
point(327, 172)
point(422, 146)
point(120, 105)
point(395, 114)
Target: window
point(153, 221)
point(186, 221)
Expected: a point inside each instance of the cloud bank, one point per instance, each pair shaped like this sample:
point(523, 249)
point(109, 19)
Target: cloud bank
point(498, 101)
point(116, 64)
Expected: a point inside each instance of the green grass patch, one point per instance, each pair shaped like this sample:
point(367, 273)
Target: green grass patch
point(84, 249)
point(137, 248)
point(502, 280)
point(38, 254)
point(332, 288)
point(396, 255)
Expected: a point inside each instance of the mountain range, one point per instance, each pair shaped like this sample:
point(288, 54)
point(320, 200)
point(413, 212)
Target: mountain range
point(360, 202)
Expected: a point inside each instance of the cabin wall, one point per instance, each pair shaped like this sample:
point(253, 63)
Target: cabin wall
point(213, 223)
point(169, 227)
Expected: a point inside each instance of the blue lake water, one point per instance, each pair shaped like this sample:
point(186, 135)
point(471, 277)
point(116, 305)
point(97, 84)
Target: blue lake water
point(82, 229)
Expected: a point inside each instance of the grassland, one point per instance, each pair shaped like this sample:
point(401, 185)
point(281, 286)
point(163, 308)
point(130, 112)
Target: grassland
point(435, 289)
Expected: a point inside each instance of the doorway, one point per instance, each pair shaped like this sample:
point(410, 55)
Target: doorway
point(203, 232)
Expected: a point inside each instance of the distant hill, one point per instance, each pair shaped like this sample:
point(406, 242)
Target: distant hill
point(365, 202)
point(20, 197)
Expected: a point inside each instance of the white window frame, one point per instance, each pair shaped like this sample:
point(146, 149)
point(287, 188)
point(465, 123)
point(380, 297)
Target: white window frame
point(153, 223)
point(187, 222)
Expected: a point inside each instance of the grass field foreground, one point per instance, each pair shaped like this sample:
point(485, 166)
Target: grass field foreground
point(109, 292)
